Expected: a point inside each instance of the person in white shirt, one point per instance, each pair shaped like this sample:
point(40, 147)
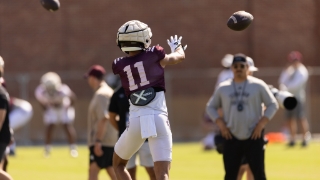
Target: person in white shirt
point(57, 100)
point(294, 79)
point(209, 127)
point(226, 73)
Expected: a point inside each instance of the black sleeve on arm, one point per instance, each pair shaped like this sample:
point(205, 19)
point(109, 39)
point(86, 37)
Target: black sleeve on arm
point(3, 102)
point(113, 106)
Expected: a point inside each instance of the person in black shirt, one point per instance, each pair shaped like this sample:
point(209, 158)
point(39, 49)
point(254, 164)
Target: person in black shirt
point(119, 105)
point(5, 135)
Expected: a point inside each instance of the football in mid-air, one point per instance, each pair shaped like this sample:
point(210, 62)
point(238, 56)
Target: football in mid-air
point(50, 5)
point(239, 20)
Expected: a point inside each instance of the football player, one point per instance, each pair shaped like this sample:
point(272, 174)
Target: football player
point(57, 101)
point(142, 77)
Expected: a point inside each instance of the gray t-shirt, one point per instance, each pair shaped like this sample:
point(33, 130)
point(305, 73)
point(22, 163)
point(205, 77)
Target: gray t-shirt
point(251, 94)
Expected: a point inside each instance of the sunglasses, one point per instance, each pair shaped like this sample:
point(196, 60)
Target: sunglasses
point(241, 66)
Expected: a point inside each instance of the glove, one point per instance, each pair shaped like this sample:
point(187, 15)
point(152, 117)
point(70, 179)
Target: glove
point(174, 43)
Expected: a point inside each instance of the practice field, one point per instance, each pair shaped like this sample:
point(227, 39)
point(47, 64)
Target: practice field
point(190, 162)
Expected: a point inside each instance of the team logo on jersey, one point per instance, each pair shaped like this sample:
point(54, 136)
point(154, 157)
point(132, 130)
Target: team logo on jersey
point(143, 97)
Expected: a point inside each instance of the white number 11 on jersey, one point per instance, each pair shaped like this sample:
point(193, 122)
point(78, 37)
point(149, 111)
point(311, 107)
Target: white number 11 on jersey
point(142, 74)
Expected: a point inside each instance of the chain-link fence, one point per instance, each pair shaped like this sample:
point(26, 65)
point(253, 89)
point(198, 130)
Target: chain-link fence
point(187, 94)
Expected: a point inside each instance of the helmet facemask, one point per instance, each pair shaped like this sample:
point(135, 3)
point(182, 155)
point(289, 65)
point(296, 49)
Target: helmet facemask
point(131, 46)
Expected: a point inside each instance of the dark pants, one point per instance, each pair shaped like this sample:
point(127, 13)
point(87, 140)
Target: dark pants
point(233, 152)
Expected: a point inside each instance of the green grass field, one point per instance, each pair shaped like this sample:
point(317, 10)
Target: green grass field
point(190, 162)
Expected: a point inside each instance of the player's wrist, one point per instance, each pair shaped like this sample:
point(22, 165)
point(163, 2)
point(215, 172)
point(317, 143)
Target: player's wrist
point(97, 141)
point(219, 120)
point(221, 124)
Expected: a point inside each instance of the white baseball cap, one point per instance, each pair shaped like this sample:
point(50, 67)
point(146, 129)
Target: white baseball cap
point(227, 60)
point(251, 64)
point(1, 62)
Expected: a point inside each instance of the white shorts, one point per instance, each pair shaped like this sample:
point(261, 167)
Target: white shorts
point(145, 157)
point(20, 114)
point(61, 115)
point(131, 140)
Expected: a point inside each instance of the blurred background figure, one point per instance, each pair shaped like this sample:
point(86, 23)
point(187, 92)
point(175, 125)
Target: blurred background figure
point(5, 134)
point(252, 68)
point(102, 136)
point(226, 73)
point(294, 79)
point(20, 114)
point(113, 81)
point(57, 100)
point(211, 129)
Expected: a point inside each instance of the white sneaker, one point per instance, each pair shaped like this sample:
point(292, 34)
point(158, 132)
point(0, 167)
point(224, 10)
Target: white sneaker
point(74, 153)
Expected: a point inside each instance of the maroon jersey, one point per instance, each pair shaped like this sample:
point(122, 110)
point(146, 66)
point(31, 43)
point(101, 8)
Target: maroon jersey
point(141, 71)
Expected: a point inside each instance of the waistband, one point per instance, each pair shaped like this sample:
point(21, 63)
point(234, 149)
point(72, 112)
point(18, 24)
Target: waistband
point(156, 89)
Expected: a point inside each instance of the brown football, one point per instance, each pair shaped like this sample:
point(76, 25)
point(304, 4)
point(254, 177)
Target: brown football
point(50, 5)
point(239, 20)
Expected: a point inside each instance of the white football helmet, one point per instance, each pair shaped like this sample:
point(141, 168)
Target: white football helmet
point(51, 80)
point(134, 31)
point(227, 61)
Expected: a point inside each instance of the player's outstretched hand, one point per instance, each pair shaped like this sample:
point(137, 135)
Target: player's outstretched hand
point(174, 43)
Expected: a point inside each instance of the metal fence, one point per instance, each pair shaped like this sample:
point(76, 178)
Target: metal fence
point(187, 94)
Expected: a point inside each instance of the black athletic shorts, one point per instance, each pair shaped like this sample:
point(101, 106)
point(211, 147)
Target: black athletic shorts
point(3, 147)
point(103, 161)
point(244, 160)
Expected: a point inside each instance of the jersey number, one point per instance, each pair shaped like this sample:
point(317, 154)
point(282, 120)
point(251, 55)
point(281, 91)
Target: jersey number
point(142, 74)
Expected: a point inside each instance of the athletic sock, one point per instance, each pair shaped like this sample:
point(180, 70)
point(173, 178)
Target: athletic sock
point(73, 147)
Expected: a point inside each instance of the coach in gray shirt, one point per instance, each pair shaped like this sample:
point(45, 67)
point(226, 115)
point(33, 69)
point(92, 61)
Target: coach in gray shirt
point(242, 99)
